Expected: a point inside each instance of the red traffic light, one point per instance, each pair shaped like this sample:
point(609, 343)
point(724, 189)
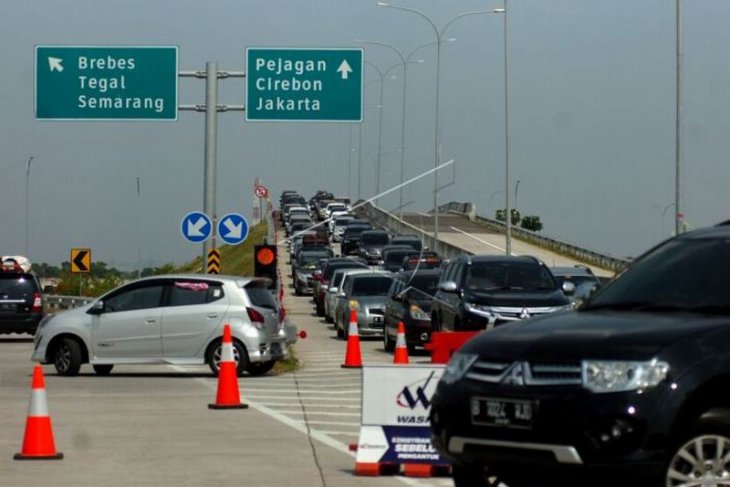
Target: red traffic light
point(265, 256)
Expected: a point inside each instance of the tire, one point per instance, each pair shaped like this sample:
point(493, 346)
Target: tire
point(297, 290)
point(67, 357)
point(710, 431)
point(388, 344)
point(320, 308)
point(340, 332)
point(260, 368)
point(103, 369)
point(214, 352)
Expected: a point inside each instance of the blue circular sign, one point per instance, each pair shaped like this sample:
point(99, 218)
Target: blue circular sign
point(233, 228)
point(196, 227)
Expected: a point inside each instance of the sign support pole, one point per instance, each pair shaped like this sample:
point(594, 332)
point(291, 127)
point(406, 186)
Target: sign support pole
point(209, 191)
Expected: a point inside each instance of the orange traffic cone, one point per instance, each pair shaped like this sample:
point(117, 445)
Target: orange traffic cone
point(228, 396)
point(401, 349)
point(38, 442)
point(353, 357)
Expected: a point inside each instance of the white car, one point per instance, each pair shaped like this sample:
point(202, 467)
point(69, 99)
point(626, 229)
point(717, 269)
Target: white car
point(338, 227)
point(330, 298)
point(169, 319)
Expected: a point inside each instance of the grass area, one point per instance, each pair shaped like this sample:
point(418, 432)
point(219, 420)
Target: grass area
point(289, 365)
point(236, 260)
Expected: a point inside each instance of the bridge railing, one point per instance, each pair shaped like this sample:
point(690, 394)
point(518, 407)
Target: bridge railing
point(583, 254)
point(55, 302)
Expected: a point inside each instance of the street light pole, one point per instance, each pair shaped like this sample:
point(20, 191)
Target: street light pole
point(27, 207)
point(439, 40)
point(380, 130)
point(508, 213)
point(678, 206)
point(139, 251)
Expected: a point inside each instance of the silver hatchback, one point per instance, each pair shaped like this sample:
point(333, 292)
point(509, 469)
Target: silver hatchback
point(169, 319)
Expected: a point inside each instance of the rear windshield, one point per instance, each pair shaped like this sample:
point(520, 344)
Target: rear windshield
point(375, 239)
point(416, 244)
point(371, 286)
point(261, 297)
point(312, 260)
point(17, 284)
point(342, 220)
point(354, 231)
point(396, 256)
point(426, 284)
point(330, 270)
point(338, 208)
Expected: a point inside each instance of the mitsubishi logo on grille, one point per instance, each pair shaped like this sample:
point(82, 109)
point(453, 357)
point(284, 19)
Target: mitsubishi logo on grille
point(525, 313)
point(515, 375)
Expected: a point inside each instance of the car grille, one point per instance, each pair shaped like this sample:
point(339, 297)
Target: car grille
point(376, 311)
point(527, 373)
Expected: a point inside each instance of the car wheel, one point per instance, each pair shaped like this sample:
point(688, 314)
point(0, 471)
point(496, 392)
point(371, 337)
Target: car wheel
point(260, 368)
point(67, 357)
point(239, 355)
point(388, 343)
point(320, 309)
point(340, 331)
point(701, 458)
point(103, 369)
point(297, 290)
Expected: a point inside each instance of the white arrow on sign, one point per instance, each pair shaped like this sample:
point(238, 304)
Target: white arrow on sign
point(194, 228)
point(345, 69)
point(54, 64)
point(234, 231)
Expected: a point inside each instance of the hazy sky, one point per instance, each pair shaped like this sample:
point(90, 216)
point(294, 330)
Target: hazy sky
point(592, 110)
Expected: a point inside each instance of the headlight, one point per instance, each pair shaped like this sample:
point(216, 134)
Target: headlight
point(354, 304)
point(458, 366)
point(418, 314)
point(610, 376)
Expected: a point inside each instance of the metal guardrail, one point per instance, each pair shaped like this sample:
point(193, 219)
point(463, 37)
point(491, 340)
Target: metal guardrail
point(394, 224)
point(55, 302)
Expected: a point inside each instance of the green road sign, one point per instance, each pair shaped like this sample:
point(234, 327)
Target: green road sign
point(290, 84)
point(105, 83)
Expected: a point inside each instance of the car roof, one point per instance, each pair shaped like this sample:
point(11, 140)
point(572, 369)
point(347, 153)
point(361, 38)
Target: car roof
point(504, 258)
point(406, 237)
point(571, 271)
point(375, 232)
point(405, 275)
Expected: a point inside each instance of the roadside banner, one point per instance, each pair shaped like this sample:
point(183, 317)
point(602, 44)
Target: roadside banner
point(396, 402)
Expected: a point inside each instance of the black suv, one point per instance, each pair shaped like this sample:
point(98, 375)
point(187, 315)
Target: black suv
point(350, 244)
point(633, 384)
point(21, 304)
point(478, 292)
point(372, 243)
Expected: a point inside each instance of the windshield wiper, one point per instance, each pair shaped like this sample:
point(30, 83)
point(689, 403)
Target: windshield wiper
point(500, 288)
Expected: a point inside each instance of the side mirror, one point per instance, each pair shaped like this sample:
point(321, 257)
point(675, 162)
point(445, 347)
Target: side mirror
point(342, 295)
point(568, 288)
point(97, 308)
point(449, 287)
point(332, 290)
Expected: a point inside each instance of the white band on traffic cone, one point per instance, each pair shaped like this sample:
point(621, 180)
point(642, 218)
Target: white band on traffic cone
point(352, 329)
point(400, 340)
point(227, 353)
point(38, 407)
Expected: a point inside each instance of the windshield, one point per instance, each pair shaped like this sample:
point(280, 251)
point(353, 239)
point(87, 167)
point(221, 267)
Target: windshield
point(375, 239)
point(681, 274)
point(487, 276)
point(312, 260)
point(422, 287)
point(371, 286)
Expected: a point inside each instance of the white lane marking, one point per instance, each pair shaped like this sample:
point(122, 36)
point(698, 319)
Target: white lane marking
point(311, 404)
point(320, 413)
point(335, 423)
point(340, 433)
point(479, 239)
point(310, 391)
point(307, 383)
point(297, 425)
point(263, 396)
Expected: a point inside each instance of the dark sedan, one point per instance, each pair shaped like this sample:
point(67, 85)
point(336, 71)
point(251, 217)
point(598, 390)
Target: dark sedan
point(410, 302)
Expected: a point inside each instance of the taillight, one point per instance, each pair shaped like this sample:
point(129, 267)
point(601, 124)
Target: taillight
point(256, 318)
point(37, 303)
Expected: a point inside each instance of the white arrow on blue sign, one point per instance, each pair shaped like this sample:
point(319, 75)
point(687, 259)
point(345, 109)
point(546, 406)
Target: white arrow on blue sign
point(196, 227)
point(233, 228)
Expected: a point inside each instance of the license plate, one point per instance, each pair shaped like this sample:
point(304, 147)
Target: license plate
point(507, 413)
point(377, 319)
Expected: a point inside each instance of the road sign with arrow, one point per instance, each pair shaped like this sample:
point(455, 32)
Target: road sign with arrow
point(233, 228)
point(293, 84)
point(80, 260)
point(196, 227)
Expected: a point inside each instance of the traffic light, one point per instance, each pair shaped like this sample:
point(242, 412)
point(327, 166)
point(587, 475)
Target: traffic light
point(264, 263)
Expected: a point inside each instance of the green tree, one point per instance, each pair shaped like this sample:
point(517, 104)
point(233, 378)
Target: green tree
point(516, 217)
point(532, 223)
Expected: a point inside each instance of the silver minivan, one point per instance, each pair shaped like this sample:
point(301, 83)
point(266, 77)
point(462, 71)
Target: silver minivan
point(168, 319)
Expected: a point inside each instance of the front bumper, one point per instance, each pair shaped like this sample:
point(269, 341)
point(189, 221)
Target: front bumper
point(572, 429)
